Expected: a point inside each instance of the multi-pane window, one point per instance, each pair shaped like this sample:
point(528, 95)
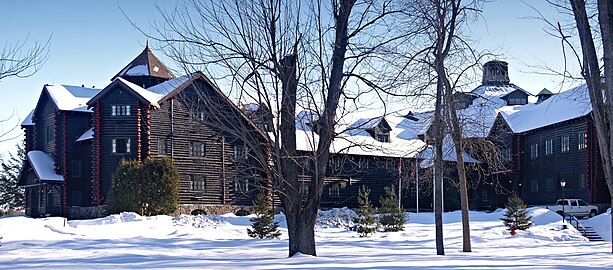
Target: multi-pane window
point(238, 151)
point(241, 185)
point(197, 115)
point(197, 182)
point(383, 137)
point(581, 139)
point(517, 101)
point(120, 145)
point(196, 149)
point(565, 143)
point(549, 184)
point(334, 190)
point(76, 168)
point(534, 150)
point(582, 180)
point(120, 110)
point(485, 195)
point(49, 134)
point(548, 147)
point(534, 186)
point(163, 147)
point(505, 155)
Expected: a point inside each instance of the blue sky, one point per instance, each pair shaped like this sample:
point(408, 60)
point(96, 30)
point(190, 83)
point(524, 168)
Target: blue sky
point(92, 40)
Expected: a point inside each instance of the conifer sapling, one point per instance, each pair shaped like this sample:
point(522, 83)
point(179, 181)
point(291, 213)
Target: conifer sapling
point(263, 225)
point(366, 222)
point(516, 217)
point(391, 216)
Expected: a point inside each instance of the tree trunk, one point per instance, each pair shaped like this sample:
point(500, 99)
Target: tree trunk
point(438, 165)
point(605, 17)
point(592, 75)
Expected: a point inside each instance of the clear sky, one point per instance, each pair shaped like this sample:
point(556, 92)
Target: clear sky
point(92, 40)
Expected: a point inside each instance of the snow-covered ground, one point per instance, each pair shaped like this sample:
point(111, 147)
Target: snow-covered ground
point(221, 242)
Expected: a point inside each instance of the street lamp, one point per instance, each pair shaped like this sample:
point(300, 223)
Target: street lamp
point(563, 184)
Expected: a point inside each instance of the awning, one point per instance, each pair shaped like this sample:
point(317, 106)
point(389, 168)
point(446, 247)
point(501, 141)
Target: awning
point(42, 163)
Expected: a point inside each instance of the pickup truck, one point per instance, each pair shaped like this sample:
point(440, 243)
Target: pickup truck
point(576, 207)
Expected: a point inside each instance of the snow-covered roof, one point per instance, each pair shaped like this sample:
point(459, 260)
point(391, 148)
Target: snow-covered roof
point(167, 87)
point(70, 98)
point(352, 137)
point(564, 106)
point(88, 135)
point(145, 64)
point(151, 97)
point(42, 163)
point(448, 152)
point(28, 120)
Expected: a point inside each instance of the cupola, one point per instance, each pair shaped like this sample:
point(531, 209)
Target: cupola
point(543, 95)
point(145, 70)
point(495, 72)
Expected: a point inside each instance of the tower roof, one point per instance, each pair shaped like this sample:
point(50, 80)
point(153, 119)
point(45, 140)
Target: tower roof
point(545, 91)
point(145, 64)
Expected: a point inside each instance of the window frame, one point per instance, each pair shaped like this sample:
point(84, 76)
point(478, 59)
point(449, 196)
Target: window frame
point(197, 152)
point(120, 110)
point(49, 134)
point(334, 190)
point(534, 150)
point(549, 147)
point(241, 186)
point(197, 182)
point(76, 169)
point(581, 140)
point(564, 144)
point(114, 144)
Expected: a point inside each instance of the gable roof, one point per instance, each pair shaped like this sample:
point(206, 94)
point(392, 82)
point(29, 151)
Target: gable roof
point(69, 98)
point(145, 64)
point(564, 106)
point(28, 120)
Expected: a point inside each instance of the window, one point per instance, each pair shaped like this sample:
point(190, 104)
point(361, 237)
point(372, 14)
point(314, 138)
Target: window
point(581, 140)
point(517, 101)
point(383, 137)
point(505, 155)
point(120, 110)
point(49, 134)
point(549, 184)
point(582, 180)
point(241, 185)
point(238, 151)
point(120, 145)
point(197, 115)
point(534, 151)
point(334, 190)
point(485, 195)
point(196, 149)
point(534, 186)
point(163, 147)
point(548, 147)
point(305, 190)
point(573, 203)
point(76, 168)
point(565, 142)
point(582, 203)
point(197, 182)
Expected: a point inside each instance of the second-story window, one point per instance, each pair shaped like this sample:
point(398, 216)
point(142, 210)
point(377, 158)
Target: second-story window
point(120, 110)
point(565, 142)
point(534, 150)
point(506, 155)
point(548, 147)
point(238, 151)
point(49, 134)
point(196, 149)
point(120, 145)
point(581, 139)
point(197, 115)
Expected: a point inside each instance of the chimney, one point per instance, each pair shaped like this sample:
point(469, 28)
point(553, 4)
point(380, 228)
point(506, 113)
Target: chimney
point(495, 72)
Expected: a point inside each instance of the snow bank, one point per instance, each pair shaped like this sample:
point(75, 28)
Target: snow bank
point(200, 221)
point(336, 218)
point(112, 219)
point(601, 225)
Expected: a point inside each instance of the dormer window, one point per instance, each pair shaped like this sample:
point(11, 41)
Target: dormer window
point(383, 137)
point(517, 101)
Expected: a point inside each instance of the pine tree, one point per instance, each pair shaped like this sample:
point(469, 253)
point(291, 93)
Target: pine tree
point(263, 225)
point(12, 197)
point(516, 216)
point(391, 216)
point(366, 222)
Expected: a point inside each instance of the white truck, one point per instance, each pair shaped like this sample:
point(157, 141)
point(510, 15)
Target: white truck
point(576, 207)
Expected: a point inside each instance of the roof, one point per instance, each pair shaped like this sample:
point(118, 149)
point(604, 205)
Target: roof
point(145, 64)
point(88, 135)
point(564, 106)
point(28, 120)
point(70, 98)
point(353, 138)
point(448, 152)
point(544, 92)
point(42, 163)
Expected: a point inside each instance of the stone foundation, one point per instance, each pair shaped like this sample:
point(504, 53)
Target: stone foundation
point(211, 209)
point(77, 212)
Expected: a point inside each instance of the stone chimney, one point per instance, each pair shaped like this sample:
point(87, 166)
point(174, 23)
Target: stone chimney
point(495, 72)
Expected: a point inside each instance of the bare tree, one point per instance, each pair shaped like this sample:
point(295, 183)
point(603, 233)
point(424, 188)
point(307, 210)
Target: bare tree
point(600, 92)
point(284, 56)
point(17, 60)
